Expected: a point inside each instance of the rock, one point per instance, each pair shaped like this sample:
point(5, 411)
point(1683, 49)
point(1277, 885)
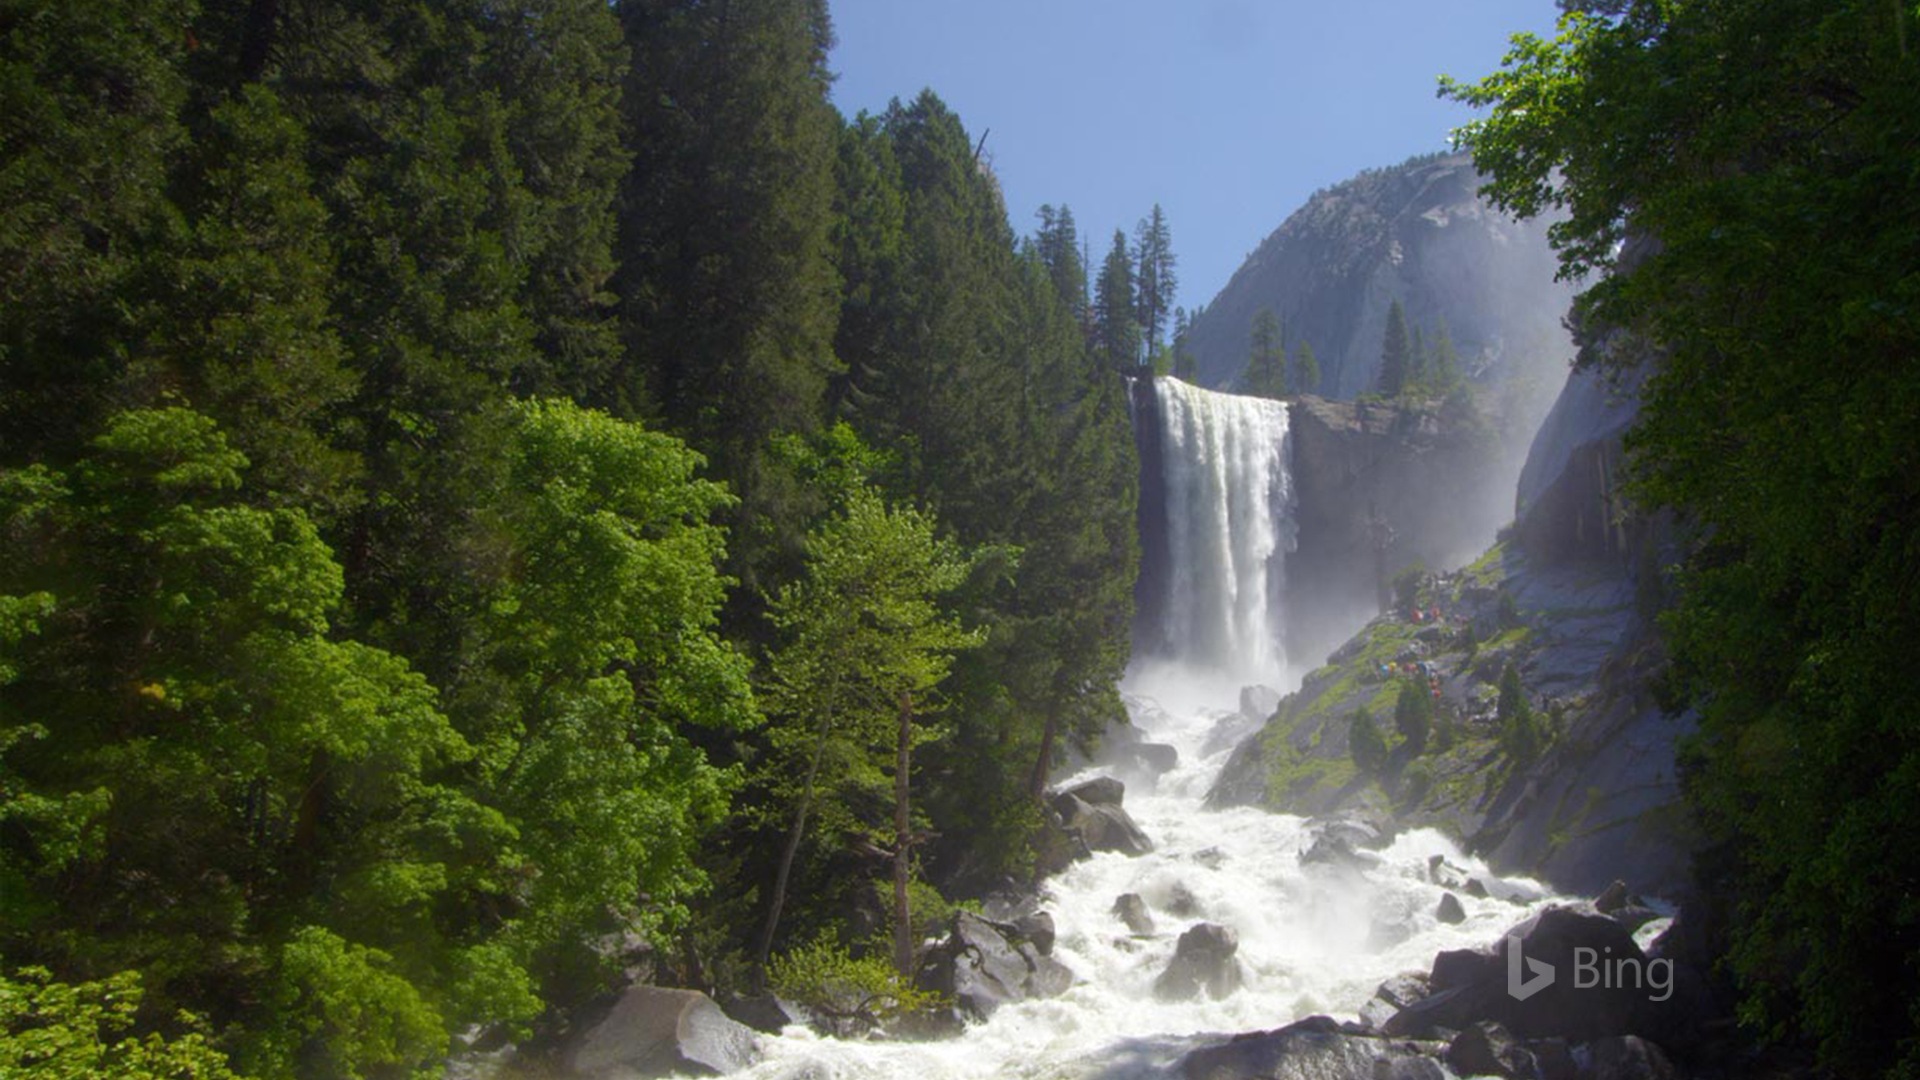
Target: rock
point(1211, 858)
point(1633, 916)
point(1101, 827)
point(655, 1031)
point(1475, 888)
point(1351, 832)
point(1487, 1049)
point(1181, 902)
point(1099, 791)
point(1149, 757)
point(762, 1012)
point(1331, 850)
point(1132, 910)
point(1393, 995)
point(1450, 911)
point(1625, 1057)
point(982, 966)
point(1037, 927)
point(1257, 703)
point(1316, 1048)
point(1202, 961)
point(1472, 985)
point(1611, 898)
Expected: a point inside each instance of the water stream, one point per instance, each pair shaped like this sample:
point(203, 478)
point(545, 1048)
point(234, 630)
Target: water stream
point(1313, 938)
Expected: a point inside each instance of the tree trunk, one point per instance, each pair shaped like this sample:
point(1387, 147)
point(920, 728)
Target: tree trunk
point(902, 842)
point(1037, 783)
point(779, 901)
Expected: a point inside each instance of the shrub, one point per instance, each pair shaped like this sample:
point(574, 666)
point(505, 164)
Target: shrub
point(1365, 743)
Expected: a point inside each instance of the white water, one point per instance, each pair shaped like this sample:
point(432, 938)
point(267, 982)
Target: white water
point(1311, 938)
point(1304, 935)
point(1229, 526)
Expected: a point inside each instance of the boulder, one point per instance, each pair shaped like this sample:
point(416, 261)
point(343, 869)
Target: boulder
point(1203, 961)
point(1132, 910)
point(1353, 832)
point(982, 966)
point(656, 1031)
point(1153, 757)
point(1611, 898)
point(1316, 1048)
point(1626, 1057)
point(1633, 916)
point(1393, 995)
point(1257, 703)
point(1181, 902)
point(1036, 927)
point(1487, 1049)
point(1450, 911)
point(763, 1012)
point(1472, 985)
point(1103, 827)
point(1333, 851)
point(1099, 791)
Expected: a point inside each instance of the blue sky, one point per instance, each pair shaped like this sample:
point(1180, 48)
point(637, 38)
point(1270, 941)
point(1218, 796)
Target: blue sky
point(1229, 113)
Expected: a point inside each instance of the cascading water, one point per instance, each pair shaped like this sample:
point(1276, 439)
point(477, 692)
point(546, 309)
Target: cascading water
point(1313, 938)
point(1224, 513)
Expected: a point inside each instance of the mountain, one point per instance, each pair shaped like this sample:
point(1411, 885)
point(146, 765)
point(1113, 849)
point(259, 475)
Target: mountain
point(1419, 233)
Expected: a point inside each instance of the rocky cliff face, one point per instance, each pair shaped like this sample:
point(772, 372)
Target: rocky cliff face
point(1418, 233)
point(1566, 597)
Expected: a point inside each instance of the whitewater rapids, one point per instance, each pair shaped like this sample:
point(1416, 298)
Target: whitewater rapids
point(1312, 939)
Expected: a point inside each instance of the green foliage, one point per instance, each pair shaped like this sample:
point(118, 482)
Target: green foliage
point(66, 1031)
point(1764, 150)
point(1365, 743)
point(824, 978)
point(1413, 715)
point(1266, 374)
point(1306, 370)
point(1520, 735)
point(1158, 282)
point(1397, 358)
point(1117, 336)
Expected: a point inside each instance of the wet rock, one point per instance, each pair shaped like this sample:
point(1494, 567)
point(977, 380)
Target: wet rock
point(1353, 832)
point(655, 1031)
point(1181, 902)
point(1625, 1057)
point(1316, 1048)
point(762, 1012)
point(1471, 985)
point(1257, 703)
point(1633, 916)
point(1203, 961)
point(1037, 927)
point(1211, 858)
point(1611, 898)
point(1101, 827)
point(982, 966)
point(1475, 888)
point(1099, 791)
point(1450, 911)
point(1132, 910)
point(1393, 995)
point(1487, 1049)
point(1150, 758)
point(1330, 850)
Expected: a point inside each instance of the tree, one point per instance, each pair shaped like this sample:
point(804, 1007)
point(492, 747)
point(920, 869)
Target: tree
point(1728, 174)
point(1158, 282)
point(866, 641)
point(1116, 325)
point(1266, 374)
point(1395, 353)
point(1413, 715)
point(1185, 366)
point(1365, 744)
point(1058, 243)
point(1306, 370)
point(1519, 729)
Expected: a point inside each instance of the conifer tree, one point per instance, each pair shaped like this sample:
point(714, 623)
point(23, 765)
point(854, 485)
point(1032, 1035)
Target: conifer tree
point(1266, 373)
point(1157, 280)
point(1306, 370)
point(1116, 326)
point(1395, 353)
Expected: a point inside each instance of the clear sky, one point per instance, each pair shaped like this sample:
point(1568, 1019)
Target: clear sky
point(1228, 113)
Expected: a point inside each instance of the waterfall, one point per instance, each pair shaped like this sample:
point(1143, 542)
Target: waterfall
point(1215, 531)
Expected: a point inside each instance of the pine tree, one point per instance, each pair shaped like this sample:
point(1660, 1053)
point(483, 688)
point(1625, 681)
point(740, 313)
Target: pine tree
point(1266, 373)
point(1158, 282)
point(1395, 353)
point(1185, 365)
point(1058, 243)
point(1116, 326)
point(1306, 370)
point(1413, 714)
point(1519, 729)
